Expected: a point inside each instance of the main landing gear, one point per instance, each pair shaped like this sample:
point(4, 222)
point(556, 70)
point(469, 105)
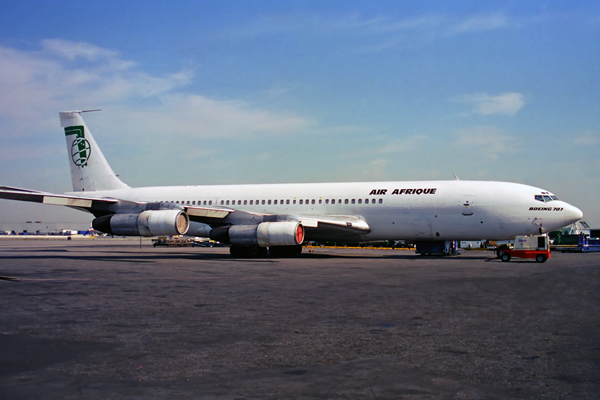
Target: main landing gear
point(259, 252)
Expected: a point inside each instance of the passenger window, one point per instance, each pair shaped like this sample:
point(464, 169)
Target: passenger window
point(210, 202)
point(332, 201)
point(275, 201)
point(227, 202)
point(326, 201)
point(380, 201)
point(222, 202)
point(204, 202)
point(346, 201)
point(263, 202)
point(306, 201)
point(353, 201)
point(312, 201)
point(301, 201)
point(359, 201)
point(269, 202)
point(320, 201)
point(245, 202)
point(287, 201)
point(294, 202)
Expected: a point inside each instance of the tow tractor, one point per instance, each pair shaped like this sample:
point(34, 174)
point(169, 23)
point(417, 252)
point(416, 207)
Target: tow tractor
point(535, 246)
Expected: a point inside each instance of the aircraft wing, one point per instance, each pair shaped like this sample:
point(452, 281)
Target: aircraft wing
point(34, 196)
point(317, 227)
point(326, 227)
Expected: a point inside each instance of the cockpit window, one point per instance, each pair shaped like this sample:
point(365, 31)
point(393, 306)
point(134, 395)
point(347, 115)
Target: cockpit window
point(545, 198)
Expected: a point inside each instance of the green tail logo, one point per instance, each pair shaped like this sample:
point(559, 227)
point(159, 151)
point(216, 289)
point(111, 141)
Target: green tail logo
point(80, 149)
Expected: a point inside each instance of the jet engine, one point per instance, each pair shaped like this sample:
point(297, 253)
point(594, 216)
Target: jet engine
point(265, 234)
point(146, 223)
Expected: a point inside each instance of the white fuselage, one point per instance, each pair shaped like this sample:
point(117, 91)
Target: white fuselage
point(414, 210)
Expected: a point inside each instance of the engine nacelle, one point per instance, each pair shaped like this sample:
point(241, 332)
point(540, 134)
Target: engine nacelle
point(146, 223)
point(265, 234)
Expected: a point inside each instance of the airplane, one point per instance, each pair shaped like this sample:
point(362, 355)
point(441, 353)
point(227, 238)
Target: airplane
point(280, 217)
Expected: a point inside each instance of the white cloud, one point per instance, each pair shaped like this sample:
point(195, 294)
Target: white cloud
point(487, 141)
point(369, 25)
point(73, 50)
point(404, 144)
point(480, 23)
point(484, 104)
point(195, 116)
point(378, 32)
point(73, 75)
point(587, 139)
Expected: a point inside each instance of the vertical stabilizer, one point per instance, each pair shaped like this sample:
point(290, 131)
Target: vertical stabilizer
point(89, 169)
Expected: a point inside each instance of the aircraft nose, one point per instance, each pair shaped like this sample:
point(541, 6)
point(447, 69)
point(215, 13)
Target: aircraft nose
point(572, 214)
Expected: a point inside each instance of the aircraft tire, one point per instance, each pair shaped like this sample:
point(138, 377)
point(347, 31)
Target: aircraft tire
point(505, 257)
point(256, 251)
point(238, 251)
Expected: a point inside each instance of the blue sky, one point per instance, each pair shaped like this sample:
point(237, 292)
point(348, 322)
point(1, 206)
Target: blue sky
point(197, 92)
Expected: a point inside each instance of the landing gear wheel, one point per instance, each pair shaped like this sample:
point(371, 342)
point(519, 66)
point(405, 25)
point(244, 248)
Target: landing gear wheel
point(238, 251)
point(540, 258)
point(505, 257)
point(257, 251)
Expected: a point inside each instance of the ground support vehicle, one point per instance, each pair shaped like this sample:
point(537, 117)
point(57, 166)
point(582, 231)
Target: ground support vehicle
point(437, 247)
point(536, 247)
point(173, 241)
point(585, 243)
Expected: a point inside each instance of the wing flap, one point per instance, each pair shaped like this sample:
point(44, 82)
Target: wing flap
point(208, 212)
point(67, 201)
point(345, 222)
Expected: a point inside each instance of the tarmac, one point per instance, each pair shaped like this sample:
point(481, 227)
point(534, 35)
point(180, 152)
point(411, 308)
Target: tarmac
point(106, 319)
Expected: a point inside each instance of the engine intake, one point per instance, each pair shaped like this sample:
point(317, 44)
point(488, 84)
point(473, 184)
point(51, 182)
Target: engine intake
point(146, 223)
point(265, 234)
